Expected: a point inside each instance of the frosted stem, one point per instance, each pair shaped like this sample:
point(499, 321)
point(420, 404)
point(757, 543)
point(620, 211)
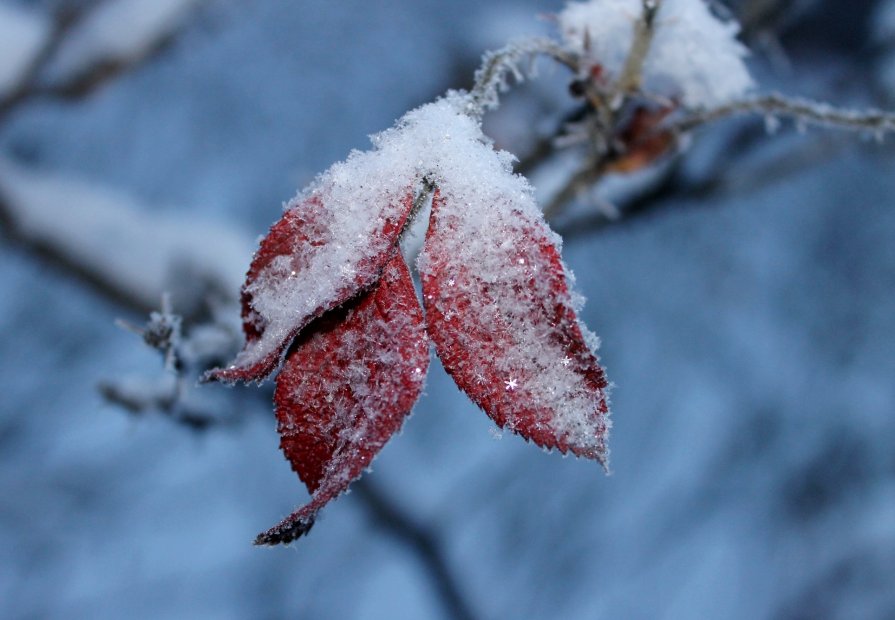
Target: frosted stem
point(644, 30)
point(801, 110)
point(497, 65)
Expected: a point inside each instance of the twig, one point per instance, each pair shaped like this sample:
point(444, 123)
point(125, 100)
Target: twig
point(166, 403)
point(422, 541)
point(64, 19)
point(801, 110)
point(44, 250)
point(804, 111)
point(577, 183)
point(78, 85)
point(675, 186)
point(644, 29)
point(497, 66)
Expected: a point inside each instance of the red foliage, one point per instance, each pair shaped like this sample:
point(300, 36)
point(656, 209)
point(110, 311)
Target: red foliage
point(474, 321)
point(347, 384)
point(355, 366)
point(299, 235)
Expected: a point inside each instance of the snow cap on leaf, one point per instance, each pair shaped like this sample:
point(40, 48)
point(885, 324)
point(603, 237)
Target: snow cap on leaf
point(323, 251)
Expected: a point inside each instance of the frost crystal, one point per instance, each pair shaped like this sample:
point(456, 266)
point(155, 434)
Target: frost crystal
point(694, 56)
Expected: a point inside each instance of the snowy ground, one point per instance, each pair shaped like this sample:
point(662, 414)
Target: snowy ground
point(750, 338)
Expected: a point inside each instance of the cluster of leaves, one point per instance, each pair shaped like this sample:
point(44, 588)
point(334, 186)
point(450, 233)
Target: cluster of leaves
point(330, 297)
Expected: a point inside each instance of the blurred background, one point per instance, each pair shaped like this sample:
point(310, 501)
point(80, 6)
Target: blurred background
point(746, 303)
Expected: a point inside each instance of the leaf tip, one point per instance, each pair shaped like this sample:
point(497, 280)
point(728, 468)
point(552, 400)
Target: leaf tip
point(288, 530)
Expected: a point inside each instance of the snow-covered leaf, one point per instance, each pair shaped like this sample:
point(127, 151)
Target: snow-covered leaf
point(347, 384)
point(505, 326)
point(320, 254)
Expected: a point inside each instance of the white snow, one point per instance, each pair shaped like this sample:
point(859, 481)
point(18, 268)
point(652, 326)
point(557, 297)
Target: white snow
point(107, 232)
point(358, 196)
point(694, 56)
point(118, 31)
point(22, 35)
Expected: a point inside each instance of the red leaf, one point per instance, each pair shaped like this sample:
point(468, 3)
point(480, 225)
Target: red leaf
point(309, 263)
point(499, 311)
point(347, 384)
point(643, 141)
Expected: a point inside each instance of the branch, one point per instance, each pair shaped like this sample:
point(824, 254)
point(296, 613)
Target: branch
point(71, 223)
point(99, 72)
point(422, 541)
point(498, 65)
point(142, 399)
point(576, 185)
point(802, 111)
point(805, 112)
point(644, 29)
point(674, 185)
point(64, 19)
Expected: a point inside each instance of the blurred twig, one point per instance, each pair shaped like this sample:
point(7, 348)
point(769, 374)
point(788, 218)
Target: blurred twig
point(64, 19)
point(803, 111)
point(82, 83)
point(725, 177)
point(166, 402)
point(422, 540)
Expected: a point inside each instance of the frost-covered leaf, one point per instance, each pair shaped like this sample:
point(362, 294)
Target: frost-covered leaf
point(321, 253)
point(503, 320)
point(348, 382)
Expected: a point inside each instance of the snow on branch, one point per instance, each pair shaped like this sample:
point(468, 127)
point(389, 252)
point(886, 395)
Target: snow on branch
point(683, 51)
point(127, 247)
point(81, 47)
point(23, 34)
point(133, 255)
point(117, 33)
